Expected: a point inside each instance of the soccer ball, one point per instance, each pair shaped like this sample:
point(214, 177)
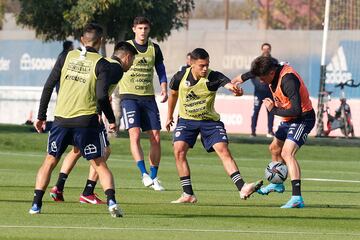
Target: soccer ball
point(276, 172)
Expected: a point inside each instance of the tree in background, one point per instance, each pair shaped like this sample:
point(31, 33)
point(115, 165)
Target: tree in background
point(2, 12)
point(305, 14)
point(59, 19)
point(282, 14)
point(294, 14)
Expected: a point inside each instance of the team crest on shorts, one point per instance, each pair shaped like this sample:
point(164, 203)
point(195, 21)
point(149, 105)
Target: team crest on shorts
point(304, 137)
point(90, 149)
point(53, 146)
point(177, 134)
point(131, 120)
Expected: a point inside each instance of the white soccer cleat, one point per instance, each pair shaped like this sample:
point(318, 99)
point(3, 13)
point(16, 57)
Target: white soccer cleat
point(250, 188)
point(156, 185)
point(146, 180)
point(186, 198)
point(115, 211)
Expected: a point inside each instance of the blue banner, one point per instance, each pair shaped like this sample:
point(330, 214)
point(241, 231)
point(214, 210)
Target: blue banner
point(27, 62)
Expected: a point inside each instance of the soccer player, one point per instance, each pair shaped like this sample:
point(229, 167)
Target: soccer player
point(261, 91)
point(139, 108)
point(196, 87)
point(83, 77)
point(292, 103)
point(120, 62)
point(187, 64)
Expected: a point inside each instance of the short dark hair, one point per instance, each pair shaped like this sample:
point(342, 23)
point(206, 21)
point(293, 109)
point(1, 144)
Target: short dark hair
point(141, 20)
point(95, 29)
point(262, 65)
point(67, 45)
point(266, 44)
point(125, 47)
point(199, 53)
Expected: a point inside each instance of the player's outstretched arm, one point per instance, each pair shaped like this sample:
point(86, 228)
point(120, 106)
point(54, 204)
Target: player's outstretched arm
point(235, 89)
point(237, 79)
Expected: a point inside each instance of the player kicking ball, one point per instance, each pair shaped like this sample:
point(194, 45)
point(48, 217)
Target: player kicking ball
point(292, 103)
point(195, 87)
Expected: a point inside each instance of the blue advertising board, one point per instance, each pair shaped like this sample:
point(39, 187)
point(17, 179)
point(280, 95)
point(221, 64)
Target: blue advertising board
point(26, 62)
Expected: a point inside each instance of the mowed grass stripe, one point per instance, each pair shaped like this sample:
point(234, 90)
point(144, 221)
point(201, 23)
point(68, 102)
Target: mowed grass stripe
point(184, 230)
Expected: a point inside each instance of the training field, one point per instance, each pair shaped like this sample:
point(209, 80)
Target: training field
point(332, 207)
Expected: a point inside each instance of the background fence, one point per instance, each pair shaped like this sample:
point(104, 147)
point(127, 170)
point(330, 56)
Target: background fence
point(26, 63)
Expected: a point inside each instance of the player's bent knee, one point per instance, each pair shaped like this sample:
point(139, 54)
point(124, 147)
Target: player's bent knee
point(223, 151)
point(99, 162)
point(135, 139)
point(286, 155)
point(179, 154)
point(51, 161)
point(274, 149)
point(155, 140)
point(107, 153)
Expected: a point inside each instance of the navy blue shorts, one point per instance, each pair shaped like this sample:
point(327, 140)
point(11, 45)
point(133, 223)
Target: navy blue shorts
point(211, 132)
point(295, 130)
point(141, 113)
point(90, 141)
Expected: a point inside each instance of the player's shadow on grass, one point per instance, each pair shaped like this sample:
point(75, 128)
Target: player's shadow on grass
point(89, 213)
point(247, 216)
point(257, 205)
point(325, 191)
point(80, 188)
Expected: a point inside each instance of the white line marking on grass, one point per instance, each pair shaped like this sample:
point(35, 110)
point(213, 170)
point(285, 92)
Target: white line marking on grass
point(183, 230)
point(22, 154)
point(330, 180)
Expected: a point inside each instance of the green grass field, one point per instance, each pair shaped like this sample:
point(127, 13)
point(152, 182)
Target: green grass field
point(332, 208)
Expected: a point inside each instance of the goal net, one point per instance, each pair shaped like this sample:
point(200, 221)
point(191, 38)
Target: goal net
point(341, 56)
